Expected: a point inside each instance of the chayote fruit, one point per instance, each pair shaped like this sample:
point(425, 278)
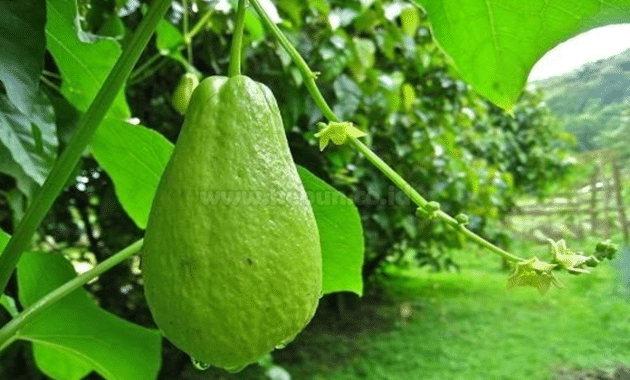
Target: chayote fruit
point(181, 97)
point(231, 260)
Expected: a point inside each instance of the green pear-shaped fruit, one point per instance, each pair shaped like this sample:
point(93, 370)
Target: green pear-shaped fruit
point(231, 260)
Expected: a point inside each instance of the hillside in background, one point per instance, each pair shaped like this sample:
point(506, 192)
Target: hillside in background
point(593, 102)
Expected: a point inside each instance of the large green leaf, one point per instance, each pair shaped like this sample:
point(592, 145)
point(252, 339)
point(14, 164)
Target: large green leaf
point(31, 141)
point(494, 44)
point(59, 363)
point(23, 46)
point(74, 335)
point(25, 184)
point(134, 157)
point(4, 239)
point(84, 60)
point(7, 302)
point(340, 235)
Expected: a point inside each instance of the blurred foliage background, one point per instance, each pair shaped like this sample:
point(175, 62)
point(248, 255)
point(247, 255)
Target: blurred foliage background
point(592, 103)
point(378, 67)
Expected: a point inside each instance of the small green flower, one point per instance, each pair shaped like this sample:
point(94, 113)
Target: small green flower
point(535, 273)
point(570, 260)
point(338, 132)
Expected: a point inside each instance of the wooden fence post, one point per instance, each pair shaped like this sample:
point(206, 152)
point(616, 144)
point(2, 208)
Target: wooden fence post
point(607, 196)
point(620, 204)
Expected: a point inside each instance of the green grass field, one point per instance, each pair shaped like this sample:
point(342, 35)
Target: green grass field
point(466, 326)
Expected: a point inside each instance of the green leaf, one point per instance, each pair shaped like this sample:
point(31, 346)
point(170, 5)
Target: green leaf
point(9, 305)
point(25, 184)
point(340, 235)
point(31, 141)
point(6, 301)
point(169, 41)
point(134, 157)
point(365, 51)
point(408, 95)
point(59, 363)
point(364, 57)
point(23, 46)
point(4, 239)
point(294, 9)
point(410, 20)
point(83, 59)
point(74, 333)
point(253, 25)
point(494, 44)
point(168, 37)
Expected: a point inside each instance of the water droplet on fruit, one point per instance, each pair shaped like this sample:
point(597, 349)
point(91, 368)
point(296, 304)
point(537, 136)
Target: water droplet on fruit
point(198, 364)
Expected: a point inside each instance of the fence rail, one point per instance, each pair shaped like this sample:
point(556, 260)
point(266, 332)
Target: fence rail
point(597, 206)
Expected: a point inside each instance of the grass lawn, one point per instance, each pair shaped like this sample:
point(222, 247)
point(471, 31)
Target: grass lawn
point(466, 326)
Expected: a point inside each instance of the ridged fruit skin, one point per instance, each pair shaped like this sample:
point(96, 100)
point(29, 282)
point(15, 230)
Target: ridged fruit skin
point(227, 281)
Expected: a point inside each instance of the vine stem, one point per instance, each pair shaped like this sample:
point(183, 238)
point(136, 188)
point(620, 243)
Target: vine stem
point(422, 203)
point(187, 40)
point(196, 29)
point(86, 128)
point(8, 333)
point(145, 65)
point(147, 74)
point(309, 79)
point(237, 40)
point(308, 75)
point(200, 24)
point(50, 84)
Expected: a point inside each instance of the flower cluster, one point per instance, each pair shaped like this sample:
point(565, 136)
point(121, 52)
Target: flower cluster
point(536, 273)
point(573, 262)
point(539, 274)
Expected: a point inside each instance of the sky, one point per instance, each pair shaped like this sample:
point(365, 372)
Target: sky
point(587, 47)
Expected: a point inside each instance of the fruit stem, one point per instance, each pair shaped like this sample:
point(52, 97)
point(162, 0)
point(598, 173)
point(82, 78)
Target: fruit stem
point(133, 78)
point(65, 164)
point(237, 40)
point(9, 332)
point(309, 79)
point(187, 41)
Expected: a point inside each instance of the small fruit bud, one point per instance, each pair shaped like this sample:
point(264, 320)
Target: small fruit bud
point(183, 92)
point(429, 210)
point(462, 219)
point(606, 250)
